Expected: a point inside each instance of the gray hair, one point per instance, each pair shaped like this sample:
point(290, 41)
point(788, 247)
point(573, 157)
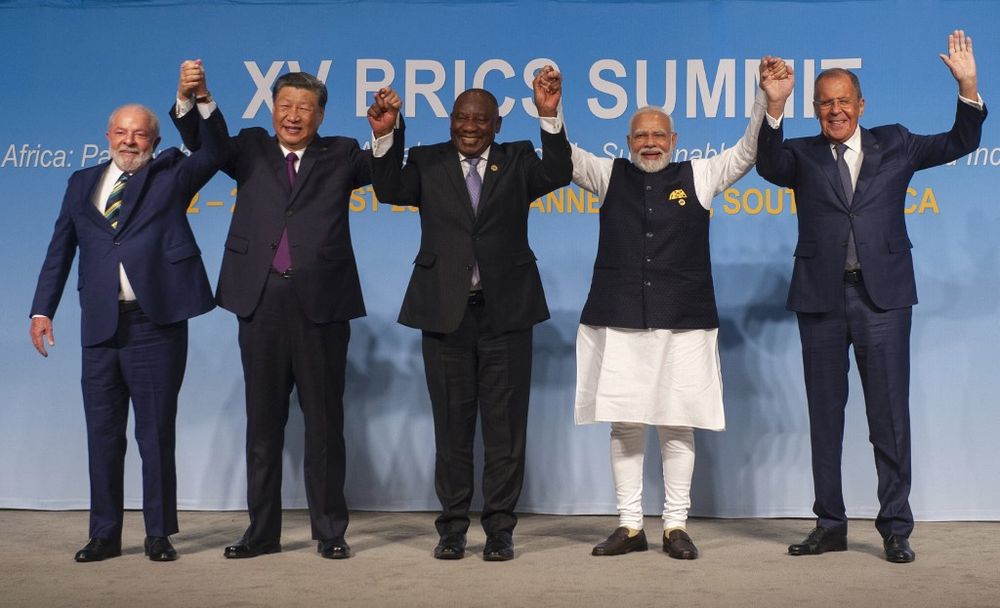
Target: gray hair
point(650, 110)
point(154, 122)
point(831, 72)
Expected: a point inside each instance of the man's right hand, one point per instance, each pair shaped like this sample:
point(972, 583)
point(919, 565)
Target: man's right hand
point(41, 331)
point(192, 80)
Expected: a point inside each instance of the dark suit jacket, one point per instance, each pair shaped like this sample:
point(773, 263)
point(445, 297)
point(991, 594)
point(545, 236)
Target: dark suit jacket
point(452, 237)
point(153, 240)
point(316, 214)
point(891, 156)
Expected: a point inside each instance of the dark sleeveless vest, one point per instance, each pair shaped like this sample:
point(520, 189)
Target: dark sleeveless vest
point(653, 268)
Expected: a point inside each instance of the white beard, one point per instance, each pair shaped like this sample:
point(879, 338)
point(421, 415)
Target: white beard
point(652, 166)
point(133, 165)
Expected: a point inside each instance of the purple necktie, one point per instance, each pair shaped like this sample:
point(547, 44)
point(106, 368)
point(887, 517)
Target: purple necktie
point(848, 185)
point(475, 185)
point(282, 257)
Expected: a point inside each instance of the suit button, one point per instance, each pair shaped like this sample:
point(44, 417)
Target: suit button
point(853, 215)
point(468, 266)
point(648, 259)
point(288, 213)
point(649, 235)
point(843, 243)
point(274, 245)
point(647, 283)
point(648, 188)
point(650, 210)
point(117, 243)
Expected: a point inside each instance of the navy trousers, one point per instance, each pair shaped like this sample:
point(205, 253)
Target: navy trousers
point(143, 362)
point(881, 340)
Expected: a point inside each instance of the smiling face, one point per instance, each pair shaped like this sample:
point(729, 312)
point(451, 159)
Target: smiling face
point(475, 122)
point(133, 134)
point(838, 106)
point(296, 117)
point(651, 140)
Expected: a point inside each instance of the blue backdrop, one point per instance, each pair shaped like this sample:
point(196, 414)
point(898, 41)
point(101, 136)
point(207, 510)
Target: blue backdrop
point(68, 64)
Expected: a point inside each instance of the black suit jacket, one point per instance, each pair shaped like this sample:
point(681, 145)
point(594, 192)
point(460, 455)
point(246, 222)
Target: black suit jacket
point(315, 211)
point(453, 237)
point(891, 156)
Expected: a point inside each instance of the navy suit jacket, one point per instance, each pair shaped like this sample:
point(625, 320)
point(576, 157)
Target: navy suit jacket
point(316, 213)
point(891, 156)
point(452, 237)
point(153, 240)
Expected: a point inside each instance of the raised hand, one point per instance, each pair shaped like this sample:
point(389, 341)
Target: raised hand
point(191, 82)
point(777, 80)
point(384, 111)
point(962, 63)
point(548, 91)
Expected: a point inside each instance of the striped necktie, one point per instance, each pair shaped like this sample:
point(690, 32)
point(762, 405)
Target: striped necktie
point(114, 205)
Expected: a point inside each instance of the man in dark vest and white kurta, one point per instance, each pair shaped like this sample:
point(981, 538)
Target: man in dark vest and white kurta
point(647, 346)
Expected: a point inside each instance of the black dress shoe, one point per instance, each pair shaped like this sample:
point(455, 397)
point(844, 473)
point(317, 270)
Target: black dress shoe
point(620, 543)
point(897, 549)
point(243, 549)
point(499, 547)
point(334, 548)
point(450, 546)
point(99, 549)
point(820, 540)
point(159, 549)
point(678, 545)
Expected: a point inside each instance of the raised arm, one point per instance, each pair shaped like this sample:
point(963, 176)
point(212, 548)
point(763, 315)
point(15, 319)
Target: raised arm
point(556, 168)
point(775, 163)
point(715, 174)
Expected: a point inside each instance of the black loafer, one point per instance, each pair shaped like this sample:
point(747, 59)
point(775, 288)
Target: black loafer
point(499, 547)
point(334, 548)
point(897, 549)
point(678, 545)
point(243, 549)
point(450, 546)
point(159, 549)
point(99, 549)
point(620, 543)
point(820, 540)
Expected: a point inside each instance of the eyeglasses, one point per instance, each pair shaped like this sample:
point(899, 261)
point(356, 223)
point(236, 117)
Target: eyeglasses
point(829, 103)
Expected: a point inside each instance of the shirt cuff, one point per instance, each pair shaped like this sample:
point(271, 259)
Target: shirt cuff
point(182, 107)
point(774, 122)
point(381, 145)
point(975, 103)
point(551, 124)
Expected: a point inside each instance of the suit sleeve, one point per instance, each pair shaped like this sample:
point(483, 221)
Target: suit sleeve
point(555, 169)
point(58, 261)
point(775, 162)
point(190, 128)
point(215, 151)
point(394, 183)
point(932, 150)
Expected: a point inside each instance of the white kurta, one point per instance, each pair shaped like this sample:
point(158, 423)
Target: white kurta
point(658, 376)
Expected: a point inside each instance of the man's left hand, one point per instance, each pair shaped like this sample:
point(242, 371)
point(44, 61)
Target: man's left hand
point(548, 91)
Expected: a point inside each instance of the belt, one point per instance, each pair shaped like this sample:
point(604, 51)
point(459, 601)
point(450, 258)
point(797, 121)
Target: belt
point(287, 274)
point(852, 277)
point(476, 298)
point(125, 306)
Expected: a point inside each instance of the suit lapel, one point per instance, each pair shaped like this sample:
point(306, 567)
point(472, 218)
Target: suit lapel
point(456, 173)
point(90, 186)
point(496, 165)
point(823, 155)
point(133, 190)
point(309, 158)
point(869, 165)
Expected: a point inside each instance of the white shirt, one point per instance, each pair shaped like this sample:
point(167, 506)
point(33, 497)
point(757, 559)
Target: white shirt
point(100, 199)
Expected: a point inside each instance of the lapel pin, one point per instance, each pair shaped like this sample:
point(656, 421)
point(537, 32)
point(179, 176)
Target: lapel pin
point(494, 168)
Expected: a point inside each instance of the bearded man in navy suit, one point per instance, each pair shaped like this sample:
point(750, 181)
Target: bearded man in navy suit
point(141, 278)
point(853, 280)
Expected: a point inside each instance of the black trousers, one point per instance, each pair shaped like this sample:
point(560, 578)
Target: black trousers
point(476, 370)
point(143, 362)
point(881, 340)
point(282, 348)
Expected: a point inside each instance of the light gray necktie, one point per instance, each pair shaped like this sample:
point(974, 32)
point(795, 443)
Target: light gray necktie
point(475, 185)
point(848, 186)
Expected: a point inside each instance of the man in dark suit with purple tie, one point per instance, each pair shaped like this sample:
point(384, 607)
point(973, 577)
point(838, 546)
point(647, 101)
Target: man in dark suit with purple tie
point(140, 279)
point(289, 274)
point(853, 280)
